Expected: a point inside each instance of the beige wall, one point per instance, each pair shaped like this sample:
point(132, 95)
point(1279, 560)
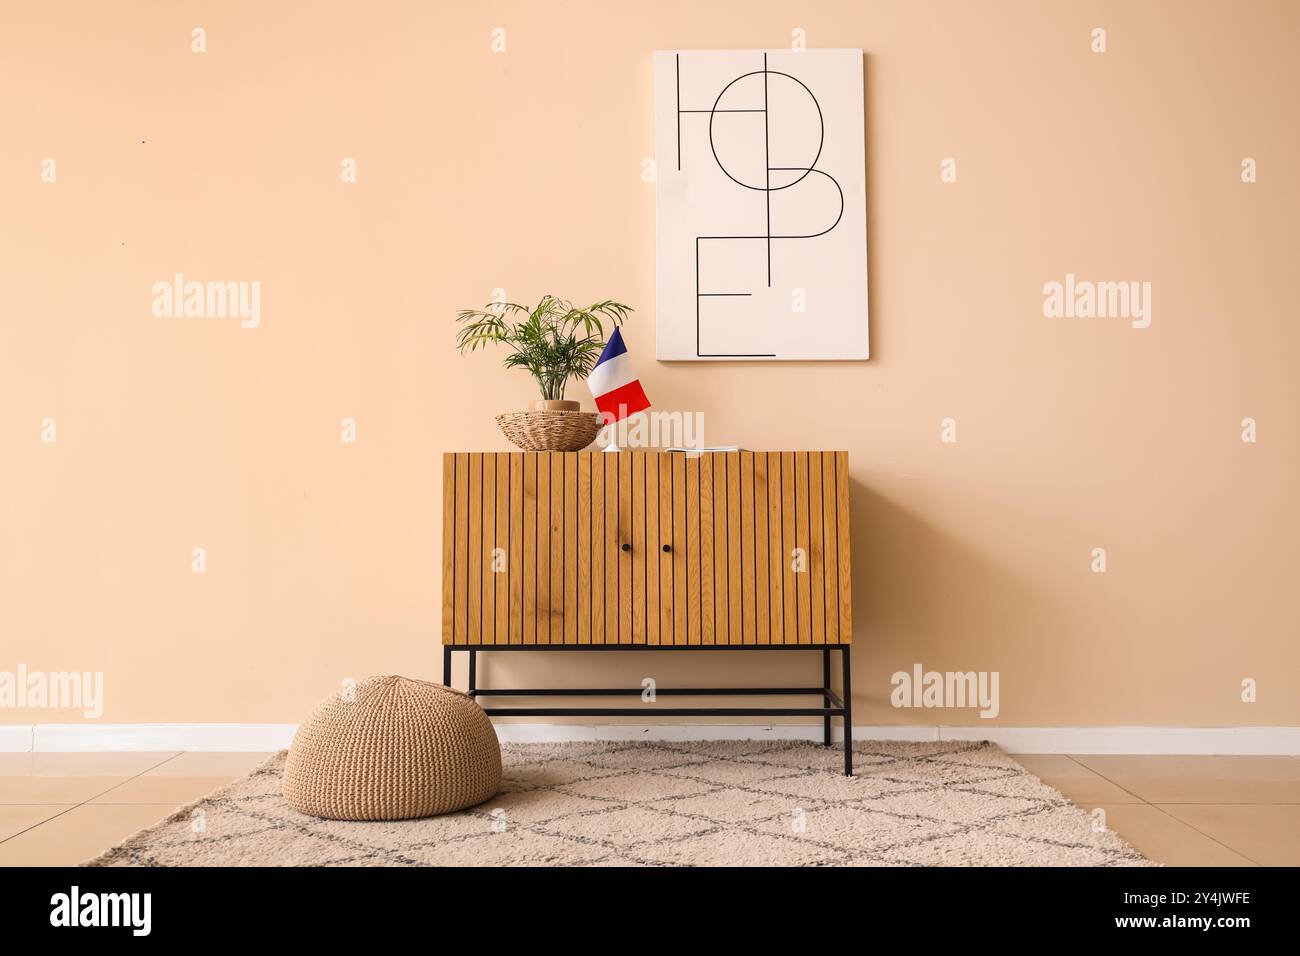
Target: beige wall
point(522, 170)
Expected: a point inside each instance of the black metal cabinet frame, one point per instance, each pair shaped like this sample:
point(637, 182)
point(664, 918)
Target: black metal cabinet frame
point(833, 704)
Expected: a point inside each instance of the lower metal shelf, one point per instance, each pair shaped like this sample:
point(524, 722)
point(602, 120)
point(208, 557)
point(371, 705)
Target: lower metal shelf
point(833, 704)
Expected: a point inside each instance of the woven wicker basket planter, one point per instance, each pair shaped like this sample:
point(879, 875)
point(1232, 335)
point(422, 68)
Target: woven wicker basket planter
point(392, 749)
point(550, 430)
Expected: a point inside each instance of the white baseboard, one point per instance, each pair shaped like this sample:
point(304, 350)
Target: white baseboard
point(161, 737)
point(1132, 740)
point(1077, 740)
point(15, 738)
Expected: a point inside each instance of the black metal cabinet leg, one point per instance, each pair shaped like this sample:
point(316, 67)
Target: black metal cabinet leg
point(847, 679)
point(473, 671)
point(826, 701)
point(446, 666)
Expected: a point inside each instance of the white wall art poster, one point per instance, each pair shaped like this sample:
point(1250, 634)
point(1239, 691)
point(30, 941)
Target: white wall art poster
point(761, 205)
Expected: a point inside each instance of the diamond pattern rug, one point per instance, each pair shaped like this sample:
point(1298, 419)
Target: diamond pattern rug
point(747, 803)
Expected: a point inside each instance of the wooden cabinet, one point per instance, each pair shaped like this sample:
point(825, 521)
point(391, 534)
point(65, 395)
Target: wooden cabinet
point(645, 548)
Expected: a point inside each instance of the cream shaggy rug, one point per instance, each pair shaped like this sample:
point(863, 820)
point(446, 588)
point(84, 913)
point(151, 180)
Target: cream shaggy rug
point(756, 803)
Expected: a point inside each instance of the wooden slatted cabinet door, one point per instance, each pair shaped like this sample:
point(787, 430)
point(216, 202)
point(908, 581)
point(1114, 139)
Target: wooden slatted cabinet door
point(653, 547)
point(474, 554)
point(599, 551)
point(816, 549)
point(692, 548)
point(717, 465)
point(448, 549)
point(845, 577)
point(762, 571)
point(614, 553)
point(501, 550)
point(585, 585)
point(735, 569)
point(830, 539)
point(625, 537)
point(461, 546)
point(708, 596)
point(679, 543)
point(667, 534)
point(555, 628)
point(775, 565)
point(488, 549)
point(528, 543)
point(542, 462)
point(801, 558)
point(640, 547)
point(748, 599)
point(516, 552)
point(570, 547)
point(789, 584)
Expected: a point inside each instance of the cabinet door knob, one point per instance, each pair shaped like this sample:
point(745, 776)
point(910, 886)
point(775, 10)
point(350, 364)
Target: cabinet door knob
point(626, 546)
point(667, 548)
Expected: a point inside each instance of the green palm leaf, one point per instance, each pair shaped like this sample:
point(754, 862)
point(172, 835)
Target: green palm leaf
point(553, 340)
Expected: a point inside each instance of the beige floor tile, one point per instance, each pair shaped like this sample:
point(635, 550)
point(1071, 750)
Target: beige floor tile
point(162, 789)
point(38, 789)
point(77, 835)
point(16, 765)
point(1164, 839)
point(15, 818)
point(1074, 780)
point(196, 764)
point(1269, 834)
point(1201, 779)
point(111, 764)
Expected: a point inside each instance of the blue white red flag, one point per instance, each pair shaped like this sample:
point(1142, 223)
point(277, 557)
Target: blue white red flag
point(614, 385)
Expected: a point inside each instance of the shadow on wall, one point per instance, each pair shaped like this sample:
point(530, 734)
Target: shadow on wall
point(921, 596)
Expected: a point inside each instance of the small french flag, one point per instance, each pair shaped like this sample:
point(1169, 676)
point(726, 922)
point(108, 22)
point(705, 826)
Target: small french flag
point(617, 390)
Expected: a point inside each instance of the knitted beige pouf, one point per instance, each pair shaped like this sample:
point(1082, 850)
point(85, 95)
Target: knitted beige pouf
point(392, 749)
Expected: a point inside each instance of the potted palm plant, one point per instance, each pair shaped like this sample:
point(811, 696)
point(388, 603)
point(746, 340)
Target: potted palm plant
point(554, 341)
